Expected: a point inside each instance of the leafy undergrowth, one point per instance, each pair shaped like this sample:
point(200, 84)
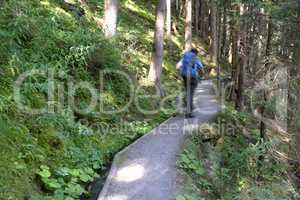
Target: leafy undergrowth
point(220, 162)
point(55, 154)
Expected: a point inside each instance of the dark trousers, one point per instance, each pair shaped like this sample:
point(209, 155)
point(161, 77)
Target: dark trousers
point(190, 85)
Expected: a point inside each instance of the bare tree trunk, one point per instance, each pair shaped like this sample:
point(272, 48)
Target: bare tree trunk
point(242, 61)
point(214, 33)
point(219, 31)
point(110, 17)
point(218, 46)
point(188, 25)
point(197, 12)
point(204, 19)
point(182, 6)
point(265, 98)
point(200, 18)
point(262, 126)
point(158, 47)
point(239, 103)
point(224, 33)
point(168, 20)
point(234, 53)
point(269, 39)
point(253, 45)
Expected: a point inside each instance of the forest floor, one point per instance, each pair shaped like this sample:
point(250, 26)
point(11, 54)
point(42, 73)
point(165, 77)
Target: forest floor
point(146, 169)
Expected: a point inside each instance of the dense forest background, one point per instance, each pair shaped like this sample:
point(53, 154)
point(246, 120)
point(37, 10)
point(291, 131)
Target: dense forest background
point(251, 45)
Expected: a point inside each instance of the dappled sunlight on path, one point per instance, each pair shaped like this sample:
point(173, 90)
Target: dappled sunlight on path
point(130, 173)
point(146, 170)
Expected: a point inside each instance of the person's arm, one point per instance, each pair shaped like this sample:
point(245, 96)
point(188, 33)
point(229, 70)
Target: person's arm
point(179, 64)
point(199, 65)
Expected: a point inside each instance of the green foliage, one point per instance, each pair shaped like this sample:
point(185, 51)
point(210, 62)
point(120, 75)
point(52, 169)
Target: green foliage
point(55, 155)
point(193, 166)
point(234, 167)
point(66, 182)
point(233, 116)
point(189, 162)
point(188, 197)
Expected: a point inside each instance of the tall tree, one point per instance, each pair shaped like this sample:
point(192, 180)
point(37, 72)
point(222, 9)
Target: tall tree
point(214, 48)
point(188, 24)
point(224, 32)
point(265, 93)
point(235, 41)
point(158, 47)
point(214, 30)
point(168, 20)
point(110, 17)
point(242, 60)
point(204, 15)
point(197, 14)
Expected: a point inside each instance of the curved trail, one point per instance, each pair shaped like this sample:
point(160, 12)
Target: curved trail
point(146, 170)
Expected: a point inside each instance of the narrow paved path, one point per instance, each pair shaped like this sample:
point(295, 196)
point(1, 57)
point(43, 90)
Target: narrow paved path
point(146, 170)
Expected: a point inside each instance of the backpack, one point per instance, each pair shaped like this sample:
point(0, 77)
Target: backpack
point(188, 64)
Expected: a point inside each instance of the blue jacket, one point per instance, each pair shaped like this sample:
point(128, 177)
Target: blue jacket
point(190, 65)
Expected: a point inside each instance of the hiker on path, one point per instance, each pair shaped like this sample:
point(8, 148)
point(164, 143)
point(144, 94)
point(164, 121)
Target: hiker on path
point(190, 66)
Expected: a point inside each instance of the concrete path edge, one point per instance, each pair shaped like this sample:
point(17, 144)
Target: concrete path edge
point(113, 167)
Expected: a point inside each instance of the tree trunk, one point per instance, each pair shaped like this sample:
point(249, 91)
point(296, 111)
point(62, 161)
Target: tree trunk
point(234, 52)
point(242, 61)
point(158, 47)
point(204, 19)
point(253, 45)
point(219, 29)
point(214, 33)
point(188, 25)
point(168, 20)
point(182, 6)
point(110, 17)
point(265, 97)
point(262, 126)
point(224, 33)
point(239, 103)
point(197, 12)
point(218, 46)
point(269, 39)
